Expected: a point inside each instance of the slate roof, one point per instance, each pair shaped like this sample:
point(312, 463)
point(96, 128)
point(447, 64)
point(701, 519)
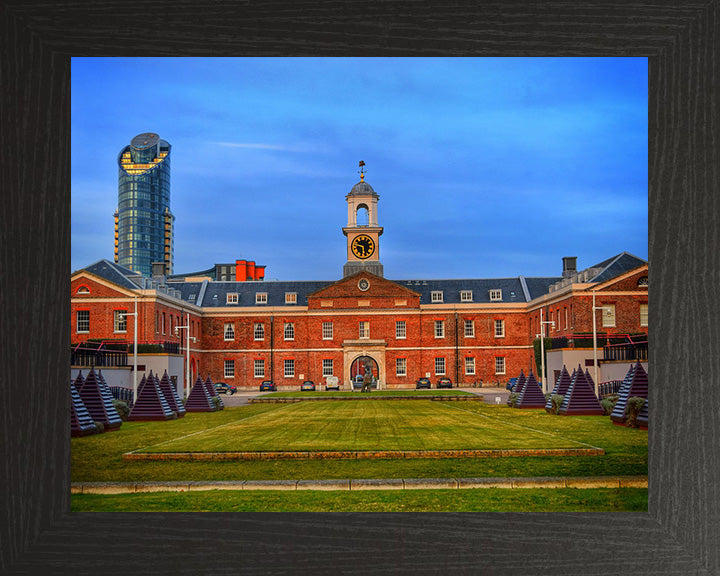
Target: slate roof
point(115, 273)
point(512, 289)
point(617, 265)
point(214, 294)
point(539, 286)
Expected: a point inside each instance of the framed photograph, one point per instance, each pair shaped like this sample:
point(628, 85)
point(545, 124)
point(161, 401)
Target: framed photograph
point(678, 534)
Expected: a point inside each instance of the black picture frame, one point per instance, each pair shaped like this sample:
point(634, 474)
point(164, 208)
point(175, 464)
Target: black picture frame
point(681, 531)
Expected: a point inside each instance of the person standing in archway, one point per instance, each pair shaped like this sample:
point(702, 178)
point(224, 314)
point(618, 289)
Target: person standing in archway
point(367, 381)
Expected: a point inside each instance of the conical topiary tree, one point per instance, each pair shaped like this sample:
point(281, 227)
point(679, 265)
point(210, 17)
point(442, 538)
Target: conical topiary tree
point(78, 382)
point(99, 403)
point(532, 395)
point(560, 389)
point(171, 395)
point(81, 423)
point(580, 398)
point(213, 394)
point(635, 384)
point(519, 385)
point(199, 399)
point(151, 403)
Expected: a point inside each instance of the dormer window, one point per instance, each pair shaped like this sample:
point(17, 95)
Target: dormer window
point(465, 295)
point(495, 295)
point(290, 297)
point(232, 298)
point(261, 298)
point(436, 296)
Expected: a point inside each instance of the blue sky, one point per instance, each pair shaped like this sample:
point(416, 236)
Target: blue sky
point(485, 167)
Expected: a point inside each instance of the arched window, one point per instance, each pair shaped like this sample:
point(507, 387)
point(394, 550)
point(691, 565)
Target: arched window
point(83, 290)
point(362, 216)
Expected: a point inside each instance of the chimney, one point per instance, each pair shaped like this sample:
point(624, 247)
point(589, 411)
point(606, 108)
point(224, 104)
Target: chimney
point(569, 266)
point(158, 272)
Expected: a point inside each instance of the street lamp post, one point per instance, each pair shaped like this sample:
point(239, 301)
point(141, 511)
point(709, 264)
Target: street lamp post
point(595, 361)
point(542, 348)
point(187, 352)
point(135, 324)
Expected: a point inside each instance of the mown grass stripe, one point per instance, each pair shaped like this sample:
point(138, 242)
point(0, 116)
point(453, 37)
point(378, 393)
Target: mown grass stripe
point(358, 427)
point(526, 427)
point(206, 430)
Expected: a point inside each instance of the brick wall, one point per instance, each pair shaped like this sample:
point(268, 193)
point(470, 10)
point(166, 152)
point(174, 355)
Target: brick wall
point(102, 301)
point(387, 303)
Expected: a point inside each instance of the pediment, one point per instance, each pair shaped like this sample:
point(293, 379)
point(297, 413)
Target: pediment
point(87, 285)
point(630, 281)
point(364, 290)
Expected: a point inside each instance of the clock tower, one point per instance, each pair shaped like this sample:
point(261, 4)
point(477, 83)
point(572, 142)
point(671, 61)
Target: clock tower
point(362, 230)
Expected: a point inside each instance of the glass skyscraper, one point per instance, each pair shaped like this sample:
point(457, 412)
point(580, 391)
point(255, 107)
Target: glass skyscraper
point(143, 221)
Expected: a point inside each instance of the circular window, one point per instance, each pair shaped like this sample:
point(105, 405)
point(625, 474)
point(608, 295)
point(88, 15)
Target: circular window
point(364, 284)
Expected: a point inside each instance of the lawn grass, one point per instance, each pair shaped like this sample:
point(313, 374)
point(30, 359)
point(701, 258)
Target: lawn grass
point(347, 393)
point(466, 500)
point(98, 458)
point(387, 425)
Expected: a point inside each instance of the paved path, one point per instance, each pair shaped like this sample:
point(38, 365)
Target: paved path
point(492, 395)
point(362, 484)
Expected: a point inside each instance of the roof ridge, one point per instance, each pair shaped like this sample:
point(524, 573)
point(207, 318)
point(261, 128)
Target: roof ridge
point(201, 294)
point(526, 291)
point(633, 255)
point(608, 266)
point(613, 261)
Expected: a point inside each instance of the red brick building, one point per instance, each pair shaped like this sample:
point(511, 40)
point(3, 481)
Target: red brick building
point(469, 330)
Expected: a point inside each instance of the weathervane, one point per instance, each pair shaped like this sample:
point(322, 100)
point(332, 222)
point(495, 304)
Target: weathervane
point(362, 170)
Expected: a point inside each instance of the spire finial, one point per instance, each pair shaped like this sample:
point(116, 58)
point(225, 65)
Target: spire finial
point(362, 170)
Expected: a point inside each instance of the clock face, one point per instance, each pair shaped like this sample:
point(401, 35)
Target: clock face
point(363, 246)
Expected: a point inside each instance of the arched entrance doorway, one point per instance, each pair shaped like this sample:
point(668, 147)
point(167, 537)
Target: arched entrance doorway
point(357, 354)
point(361, 364)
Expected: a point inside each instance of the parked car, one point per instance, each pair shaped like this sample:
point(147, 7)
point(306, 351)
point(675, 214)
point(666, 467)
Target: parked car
point(268, 385)
point(444, 383)
point(224, 388)
point(511, 384)
point(423, 383)
point(307, 385)
point(332, 384)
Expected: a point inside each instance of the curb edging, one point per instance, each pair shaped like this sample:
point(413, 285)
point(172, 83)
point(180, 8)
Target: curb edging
point(589, 482)
point(294, 399)
point(357, 454)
